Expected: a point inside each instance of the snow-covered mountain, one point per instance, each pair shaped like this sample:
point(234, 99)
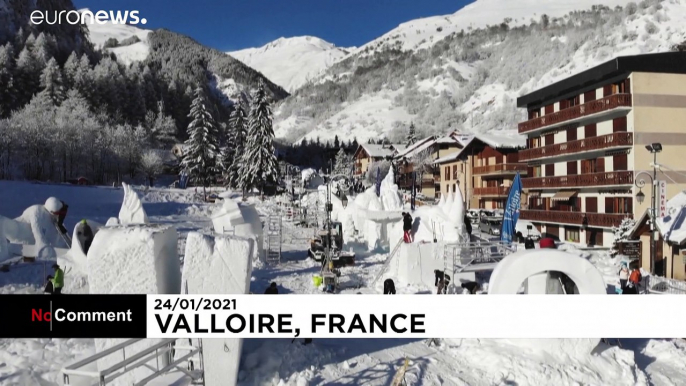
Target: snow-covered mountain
point(291, 62)
point(424, 32)
point(130, 49)
point(469, 80)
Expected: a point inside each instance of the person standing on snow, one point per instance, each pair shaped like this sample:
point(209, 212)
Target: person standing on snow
point(57, 280)
point(623, 275)
point(272, 290)
point(87, 236)
point(58, 209)
point(407, 227)
point(468, 227)
point(635, 278)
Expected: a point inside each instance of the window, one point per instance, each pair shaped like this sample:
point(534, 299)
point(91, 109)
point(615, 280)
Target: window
point(454, 172)
point(571, 168)
point(590, 131)
point(619, 124)
point(589, 96)
point(454, 187)
point(549, 139)
point(619, 205)
point(549, 170)
point(534, 142)
point(447, 173)
point(534, 113)
point(549, 109)
point(447, 188)
point(592, 204)
point(572, 234)
point(571, 134)
point(619, 162)
point(536, 171)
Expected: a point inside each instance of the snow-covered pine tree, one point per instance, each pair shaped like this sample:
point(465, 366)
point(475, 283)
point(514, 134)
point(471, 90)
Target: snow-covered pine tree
point(52, 83)
point(202, 143)
point(235, 145)
point(411, 135)
point(7, 75)
point(342, 163)
point(260, 166)
point(621, 233)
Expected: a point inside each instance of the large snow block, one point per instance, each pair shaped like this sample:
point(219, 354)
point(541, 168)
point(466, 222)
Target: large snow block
point(132, 259)
point(240, 220)
point(219, 264)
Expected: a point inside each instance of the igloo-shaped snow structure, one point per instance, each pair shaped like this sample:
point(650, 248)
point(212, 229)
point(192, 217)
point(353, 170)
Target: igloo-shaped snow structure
point(132, 259)
point(241, 220)
point(220, 264)
point(131, 211)
point(532, 265)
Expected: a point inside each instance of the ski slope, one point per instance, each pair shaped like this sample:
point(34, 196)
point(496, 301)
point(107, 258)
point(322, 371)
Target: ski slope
point(291, 62)
point(472, 362)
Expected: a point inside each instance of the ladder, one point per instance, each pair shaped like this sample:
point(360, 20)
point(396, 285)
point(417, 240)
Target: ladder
point(449, 266)
point(387, 262)
point(274, 239)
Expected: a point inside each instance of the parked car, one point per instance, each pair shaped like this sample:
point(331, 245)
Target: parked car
point(490, 225)
point(486, 213)
point(522, 230)
point(473, 216)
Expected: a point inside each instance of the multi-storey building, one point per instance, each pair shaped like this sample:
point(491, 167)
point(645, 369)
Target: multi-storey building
point(586, 140)
point(483, 170)
point(426, 151)
point(366, 154)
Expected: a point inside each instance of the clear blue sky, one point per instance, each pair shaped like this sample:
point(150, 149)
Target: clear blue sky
point(234, 24)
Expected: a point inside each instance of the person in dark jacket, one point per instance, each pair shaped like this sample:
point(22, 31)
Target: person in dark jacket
point(407, 227)
point(468, 226)
point(87, 236)
point(272, 290)
point(441, 281)
point(471, 286)
point(389, 287)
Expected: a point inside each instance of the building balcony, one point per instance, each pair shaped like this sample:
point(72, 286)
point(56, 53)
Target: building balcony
point(500, 169)
point(598, 220)
point(492, 191)
point(596, 108)
point(603, 142)
point(580, 180)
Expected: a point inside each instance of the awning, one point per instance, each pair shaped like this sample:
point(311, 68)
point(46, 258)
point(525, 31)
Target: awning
point(564, 195)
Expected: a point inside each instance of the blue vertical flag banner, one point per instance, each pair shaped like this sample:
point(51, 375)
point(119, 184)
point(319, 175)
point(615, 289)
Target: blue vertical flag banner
point(414, 190)
point(378, 181)
point(511, 210)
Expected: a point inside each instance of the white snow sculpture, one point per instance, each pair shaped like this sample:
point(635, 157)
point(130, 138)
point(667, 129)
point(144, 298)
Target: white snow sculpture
point(35, 226)
point(449, 201)
point(132, 211)
point(512, 271)
point(240, 220)
point(220, 264)
point(112, 221)
point(133, 259)
point(390, 198)
point(75, 263)
point(441, 201)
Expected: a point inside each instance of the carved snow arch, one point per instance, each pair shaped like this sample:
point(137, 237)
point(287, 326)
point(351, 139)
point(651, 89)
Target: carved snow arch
point(510, 273)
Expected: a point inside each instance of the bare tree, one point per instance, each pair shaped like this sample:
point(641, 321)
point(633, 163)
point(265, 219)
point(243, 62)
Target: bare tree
point(422, 162)
point(151, 165)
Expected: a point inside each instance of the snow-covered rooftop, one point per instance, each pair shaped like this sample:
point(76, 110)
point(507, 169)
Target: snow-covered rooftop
point(672, 226)
point(501, 141)
point(414, 148)
point(377, 150)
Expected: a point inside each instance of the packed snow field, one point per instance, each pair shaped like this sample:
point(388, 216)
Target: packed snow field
point(330, 361)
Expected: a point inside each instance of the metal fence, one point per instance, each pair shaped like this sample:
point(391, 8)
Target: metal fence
point(662, 286)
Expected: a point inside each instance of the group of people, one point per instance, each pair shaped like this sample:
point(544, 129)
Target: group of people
point(629, 279)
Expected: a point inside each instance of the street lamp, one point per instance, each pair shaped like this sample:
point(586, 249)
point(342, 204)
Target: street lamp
point(654, 148)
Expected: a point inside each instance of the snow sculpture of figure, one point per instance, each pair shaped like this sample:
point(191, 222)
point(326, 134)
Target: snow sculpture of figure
point(132, 211)
point(35, 226)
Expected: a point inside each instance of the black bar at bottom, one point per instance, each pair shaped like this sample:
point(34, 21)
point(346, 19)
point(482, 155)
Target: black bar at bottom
point(73, 316)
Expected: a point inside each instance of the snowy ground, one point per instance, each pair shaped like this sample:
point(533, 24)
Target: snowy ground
point(330, 361)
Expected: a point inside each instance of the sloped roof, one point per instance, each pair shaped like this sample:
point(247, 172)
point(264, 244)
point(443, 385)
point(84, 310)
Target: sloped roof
point(375, 150)
point(503, 141)
point(409, 150)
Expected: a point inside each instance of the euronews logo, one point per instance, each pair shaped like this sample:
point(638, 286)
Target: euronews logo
point(86, 17)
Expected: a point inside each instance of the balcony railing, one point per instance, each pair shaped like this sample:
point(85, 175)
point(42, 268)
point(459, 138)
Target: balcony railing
point(578, 111)
point(621, 139)
point(581, 180)
point(576, 218)
point(494, 191)
point(511, 168)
